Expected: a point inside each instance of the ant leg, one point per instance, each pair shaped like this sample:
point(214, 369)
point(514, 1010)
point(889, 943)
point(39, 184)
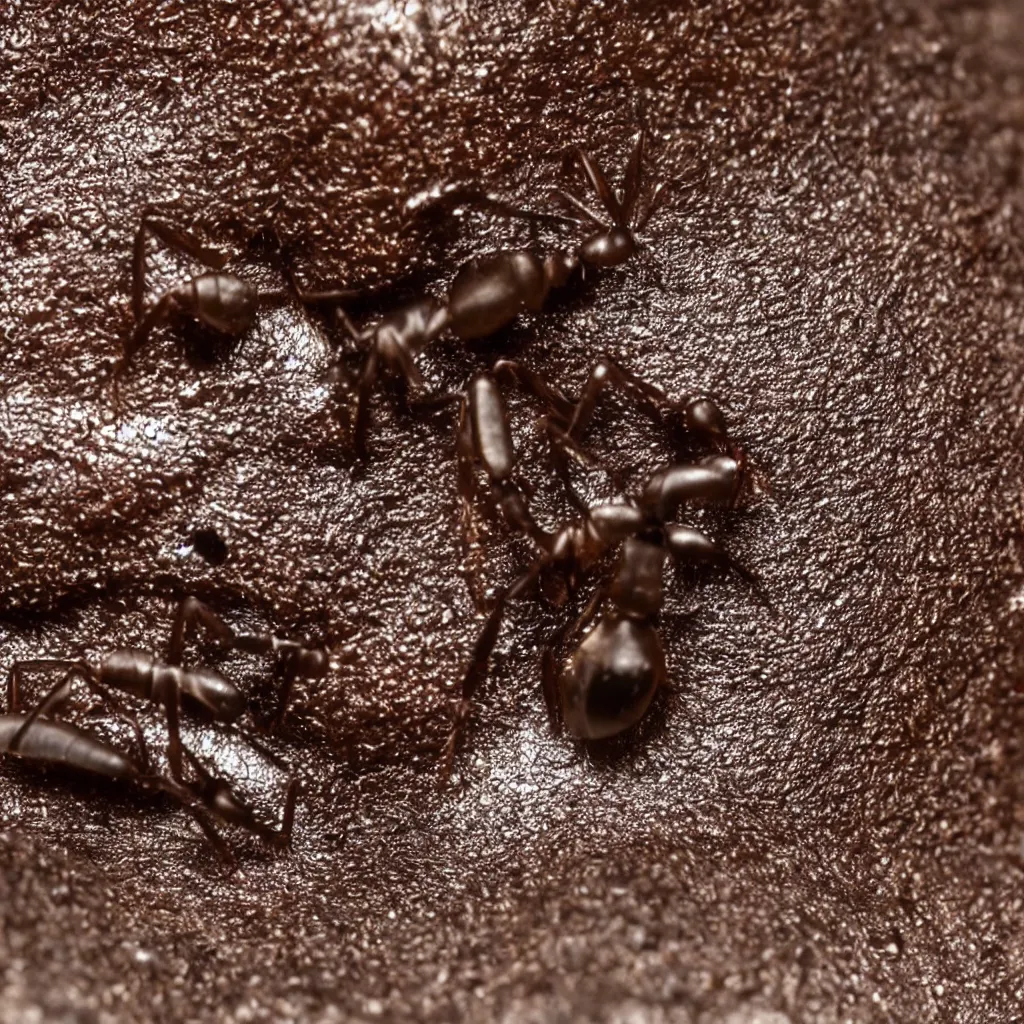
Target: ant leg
point(213, 837)
point(470, 196)
point(56, 696)
point(589, 218)
point(689, 546)
point(700, 415)
point(190, 611)
point(171, 300)
point(600, 185)
point(174, 745)
point(333, 298)
point(361, 417)
point(550, 396)
point(554, 401)
point(219, 798)
point(182, 241)
point(631, 187)
point(188, 801)
point(298, 660)
point(657, 196)
point(492, 447)
point(468, 491)
point(15, 678)
point(604, 373)
point(476, 672)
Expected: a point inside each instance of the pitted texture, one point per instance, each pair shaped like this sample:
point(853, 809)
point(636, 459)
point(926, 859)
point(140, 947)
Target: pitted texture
point(822, 818)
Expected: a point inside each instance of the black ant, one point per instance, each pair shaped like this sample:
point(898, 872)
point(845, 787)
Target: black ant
point(217, 299)
point(489, 292)
point(166, 682)
point(61, 744)
point(612, 675)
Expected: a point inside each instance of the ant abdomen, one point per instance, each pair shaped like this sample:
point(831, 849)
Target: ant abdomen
point(490, 291)
point(224, 302)
point(611, 678)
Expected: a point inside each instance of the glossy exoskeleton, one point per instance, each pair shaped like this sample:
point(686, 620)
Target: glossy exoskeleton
point(615, 668)
point(484, 437)
point(490, 291)
point(222, 301)
point(59, 744)
point(166, 682)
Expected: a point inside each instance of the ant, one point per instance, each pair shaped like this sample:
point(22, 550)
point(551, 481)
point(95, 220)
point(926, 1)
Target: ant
point(217, 299)
point(166, 682)
point(61, 744)
point(484, 438)
point(613, 673)
point(490, 291)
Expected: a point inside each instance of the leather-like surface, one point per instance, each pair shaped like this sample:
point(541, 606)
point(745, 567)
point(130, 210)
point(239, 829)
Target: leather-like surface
point(821, 819)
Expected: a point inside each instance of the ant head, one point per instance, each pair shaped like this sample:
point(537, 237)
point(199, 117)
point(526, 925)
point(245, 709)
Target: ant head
point(312, 662)
point(612, 678)
point(608, 248)
point(222, 700)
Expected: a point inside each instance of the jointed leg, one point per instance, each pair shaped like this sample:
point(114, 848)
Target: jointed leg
point(604, 373)
point(600, 185)
point(55, 696)
point(558, 411)
point(189, 801)
point(217, 796)
point(361, 417)
point(476, 672)
point(690, 546)
point(465, 460)
point(469, 196)
point(173, 239)
point(15, 678)
point(158, 312)
point(631, 186)
point(191, 611)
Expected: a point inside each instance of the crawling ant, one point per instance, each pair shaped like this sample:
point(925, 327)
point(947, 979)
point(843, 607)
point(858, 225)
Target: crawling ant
point(216, 299)
point(61, 744)
point(616, 668)
point(490, 291)
point(166, 682)
point(484, 438)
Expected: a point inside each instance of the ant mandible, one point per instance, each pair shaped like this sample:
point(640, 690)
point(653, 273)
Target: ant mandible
point(490, 291)
point(611, 677)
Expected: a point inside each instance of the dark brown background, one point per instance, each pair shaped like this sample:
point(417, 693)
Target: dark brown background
point(822, 821)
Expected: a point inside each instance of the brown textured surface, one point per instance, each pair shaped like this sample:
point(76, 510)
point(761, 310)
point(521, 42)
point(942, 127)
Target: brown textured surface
point(823, 820)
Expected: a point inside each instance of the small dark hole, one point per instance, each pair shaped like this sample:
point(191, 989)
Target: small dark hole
point(210, 546)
